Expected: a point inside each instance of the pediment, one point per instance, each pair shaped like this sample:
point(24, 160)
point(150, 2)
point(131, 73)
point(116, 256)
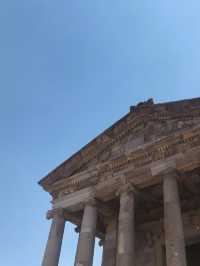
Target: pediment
point(142, 134)
point(145, 123)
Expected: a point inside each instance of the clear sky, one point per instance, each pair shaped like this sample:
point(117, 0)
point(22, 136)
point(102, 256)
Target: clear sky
point(69, 69)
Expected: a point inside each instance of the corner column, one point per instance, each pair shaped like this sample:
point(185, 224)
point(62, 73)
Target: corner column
point(54, 243)
point(173, 224)
point(85, 247)
point(126, 232)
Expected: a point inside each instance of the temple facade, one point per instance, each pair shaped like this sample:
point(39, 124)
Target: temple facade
point(136, 187)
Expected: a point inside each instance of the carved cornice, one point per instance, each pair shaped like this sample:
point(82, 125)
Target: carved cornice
point(137, 124)
point(131, 123)
point(161, 149)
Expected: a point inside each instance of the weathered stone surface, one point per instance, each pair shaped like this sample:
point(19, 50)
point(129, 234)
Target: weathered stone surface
point(174, 235)
point(75, 200)
point(85, 248)
point(137, 150)
point(152, 121)
point(144, 252)
point(110, 244)
point(152, 158)
point(53, 247)
point(126, 229)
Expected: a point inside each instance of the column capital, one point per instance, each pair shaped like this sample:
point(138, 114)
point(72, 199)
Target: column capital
point(171, 172)
point(91, 202)
point(55, 212)
point(127, 188)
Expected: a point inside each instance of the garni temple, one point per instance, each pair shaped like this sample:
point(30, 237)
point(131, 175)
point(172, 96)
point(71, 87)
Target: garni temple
point(136, 187)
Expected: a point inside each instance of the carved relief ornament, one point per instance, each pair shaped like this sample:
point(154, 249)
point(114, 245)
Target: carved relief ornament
point(153, 152)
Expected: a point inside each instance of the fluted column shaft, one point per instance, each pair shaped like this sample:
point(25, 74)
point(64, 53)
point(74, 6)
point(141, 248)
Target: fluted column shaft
point(173, 224)
point(54, 243)
point(126, 232)
point(85, 247)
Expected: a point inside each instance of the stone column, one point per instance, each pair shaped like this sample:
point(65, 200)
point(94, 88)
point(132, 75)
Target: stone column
point(85, 248)
point(173, 224)
point(110, 244)
point(53, 247)
point(126, 232)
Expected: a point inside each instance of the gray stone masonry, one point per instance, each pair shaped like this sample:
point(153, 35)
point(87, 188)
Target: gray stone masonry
point(85, 248)
point(126, 233)
point(53, 247)
point(173, 224)
point(110, 244)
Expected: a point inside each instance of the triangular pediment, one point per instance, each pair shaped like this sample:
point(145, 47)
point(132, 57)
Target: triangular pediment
point(144, 123)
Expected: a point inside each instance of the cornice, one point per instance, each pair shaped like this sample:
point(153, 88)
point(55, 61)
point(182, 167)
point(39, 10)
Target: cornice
point(163, 149)
point(133, 121)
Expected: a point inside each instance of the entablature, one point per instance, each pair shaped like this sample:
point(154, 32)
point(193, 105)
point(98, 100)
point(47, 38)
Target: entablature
point(142, 166)
point(147, 121)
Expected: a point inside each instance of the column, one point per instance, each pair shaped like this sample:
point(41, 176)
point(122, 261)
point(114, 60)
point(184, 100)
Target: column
point(85, 248)
point(110, 244)
point(126, 232)
point(53, 247)
point(173, 224)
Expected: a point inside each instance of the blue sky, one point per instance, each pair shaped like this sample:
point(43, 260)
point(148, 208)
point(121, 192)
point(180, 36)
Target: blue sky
point(69, 69)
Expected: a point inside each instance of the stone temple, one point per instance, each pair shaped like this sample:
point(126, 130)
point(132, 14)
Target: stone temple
point(136, 187)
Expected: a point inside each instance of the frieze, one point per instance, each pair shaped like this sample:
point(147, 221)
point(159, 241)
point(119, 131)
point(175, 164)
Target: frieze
point(173, 115)
point(134, 124)
point(158, 150)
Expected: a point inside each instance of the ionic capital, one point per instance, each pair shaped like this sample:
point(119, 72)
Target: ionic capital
point(54, 213)
point(126, 189)
point(91, 202)
point(171, 172)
